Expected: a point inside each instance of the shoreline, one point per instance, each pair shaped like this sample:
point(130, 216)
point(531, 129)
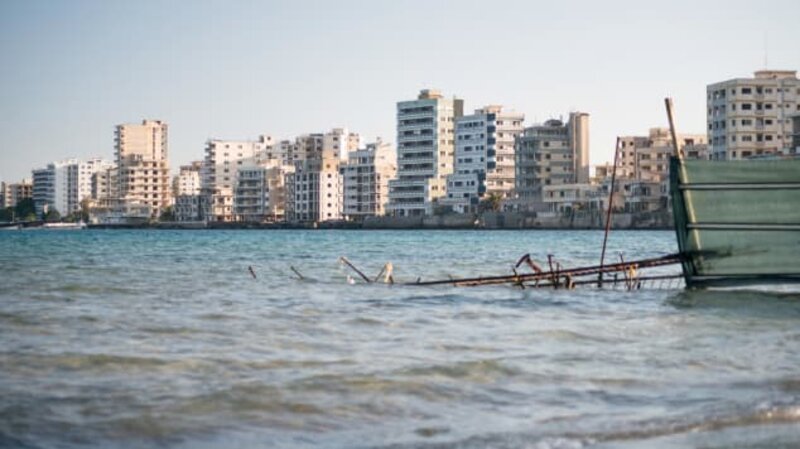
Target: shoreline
point(583, 220)
point(348, 227)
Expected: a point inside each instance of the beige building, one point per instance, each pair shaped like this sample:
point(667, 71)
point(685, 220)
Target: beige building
point(186, 187)
point(751, 116)
point(187, 181)
point(13, 193)
point(484, 157)
point(553, 153)
point(260, 194)
point(314, 190)
point(425, 149)
point(795, 147)
point(564, 198)
point(223, 160)
point(143, 165)
point(366, 180)
point(646, 158)
point(339, 141)
point(105, 184)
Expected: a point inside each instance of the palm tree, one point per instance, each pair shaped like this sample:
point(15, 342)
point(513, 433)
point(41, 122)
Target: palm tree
point(491, 203)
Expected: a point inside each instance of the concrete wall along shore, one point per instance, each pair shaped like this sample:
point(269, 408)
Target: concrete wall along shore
point(488, 221)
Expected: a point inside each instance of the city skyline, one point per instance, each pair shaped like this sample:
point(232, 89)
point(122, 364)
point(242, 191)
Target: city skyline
point(75, 70)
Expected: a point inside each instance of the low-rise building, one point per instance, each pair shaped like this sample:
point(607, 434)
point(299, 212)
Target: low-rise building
point(565, 198)
point(119, 211)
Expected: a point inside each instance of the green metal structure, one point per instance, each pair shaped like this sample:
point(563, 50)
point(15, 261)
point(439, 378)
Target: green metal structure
point(737, 222)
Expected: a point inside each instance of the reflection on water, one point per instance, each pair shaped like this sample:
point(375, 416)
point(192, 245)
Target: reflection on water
point(161, 338)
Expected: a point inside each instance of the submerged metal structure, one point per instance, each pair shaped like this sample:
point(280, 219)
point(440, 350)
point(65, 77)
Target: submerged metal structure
point(737, 222)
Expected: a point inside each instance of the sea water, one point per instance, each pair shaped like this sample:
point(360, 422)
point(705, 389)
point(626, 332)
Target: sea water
point(152, 338)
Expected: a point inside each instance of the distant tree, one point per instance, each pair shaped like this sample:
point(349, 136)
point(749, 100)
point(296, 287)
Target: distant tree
point(167, 214)
point(491, 203)
point(7, 214)
point(442, 209)
point(52, 215)
point(80, 215)
point(25, 210)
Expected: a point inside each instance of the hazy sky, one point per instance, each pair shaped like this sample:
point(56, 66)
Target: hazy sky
point(71, 70)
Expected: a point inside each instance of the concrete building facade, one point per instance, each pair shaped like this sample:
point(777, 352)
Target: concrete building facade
point(55, 187)
point(187, 181)
point(141, 153)
point(646, 158)
point(87, 177)
point(366, 180)
point(260, 194)
point(795, 146)
point(63, 185)
point(425, 150)
point(223, 160)
point(314, 190)
point(552, 153)
point(186, 188)
point(752, 116)
point(484, 157)
point(105, 184)
point(13, 193)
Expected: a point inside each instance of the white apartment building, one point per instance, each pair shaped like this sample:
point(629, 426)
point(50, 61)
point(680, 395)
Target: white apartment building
point(425, 150)
point(484, 157)
point(55, 187)
point(314, 190)
point(105, 184)
point(86, 178)
point(553, 153)
point(223, 160)
point(143, 164)
point(752, 116)
point(366, 180)
point(63, 185)
point(260, 194)
point(187, 181)
point(795, 146)
point(646, 158)
point(186, 187)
